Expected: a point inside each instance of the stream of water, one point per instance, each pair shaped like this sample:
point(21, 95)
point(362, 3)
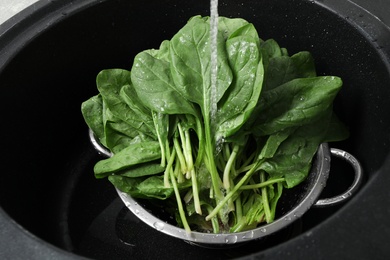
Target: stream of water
point(213, 58)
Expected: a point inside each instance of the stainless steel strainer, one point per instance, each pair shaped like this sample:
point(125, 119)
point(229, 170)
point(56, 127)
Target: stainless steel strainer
point(294, 202)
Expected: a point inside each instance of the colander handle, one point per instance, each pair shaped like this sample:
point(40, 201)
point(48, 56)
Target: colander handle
point(97, 145)
point(354, 186)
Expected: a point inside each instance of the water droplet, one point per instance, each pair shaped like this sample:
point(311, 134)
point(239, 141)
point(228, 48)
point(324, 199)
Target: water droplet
point(158, 225)
point(136, 211)
point(263, 230)
point(248, 235)
point(231, 239)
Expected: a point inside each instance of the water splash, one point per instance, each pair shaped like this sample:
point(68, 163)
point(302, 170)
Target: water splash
point(213, 58)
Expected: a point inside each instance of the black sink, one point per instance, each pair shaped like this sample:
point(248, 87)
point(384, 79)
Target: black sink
point(52, 207)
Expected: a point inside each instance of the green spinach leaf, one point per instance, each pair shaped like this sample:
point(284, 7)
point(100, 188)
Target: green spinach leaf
point(131, 155)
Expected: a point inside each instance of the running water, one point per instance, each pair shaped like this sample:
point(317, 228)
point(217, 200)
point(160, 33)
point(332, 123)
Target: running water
point(214, 70)
point(213, 59)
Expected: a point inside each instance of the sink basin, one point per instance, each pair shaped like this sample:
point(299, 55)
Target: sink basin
point(51, 206)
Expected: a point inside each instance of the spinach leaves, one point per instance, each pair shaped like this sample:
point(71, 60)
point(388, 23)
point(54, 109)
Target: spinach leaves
point(224, 171)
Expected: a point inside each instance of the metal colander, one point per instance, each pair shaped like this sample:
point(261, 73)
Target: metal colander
point(291, 206)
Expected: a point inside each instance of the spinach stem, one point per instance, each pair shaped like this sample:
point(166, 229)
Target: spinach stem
point(190, 167)
point(167, 169)
point(216, 181)
point(163, 162)
point(188, 150)
point(181, 133)
point(200, 133)
point(195, 194)
point(264, 196)
point(211, 193)
point(238, 209)
point(187, 198)
point(227, 181)
point(178, 173)
point(180, 155)
point(228, 167)
point(178, 198)
point(248, 161)
point(220, 163)
point(210, 154)
point(226, 152)
point(214, 220)
point(229, 195)
point(261, 184)
point(275, 199)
